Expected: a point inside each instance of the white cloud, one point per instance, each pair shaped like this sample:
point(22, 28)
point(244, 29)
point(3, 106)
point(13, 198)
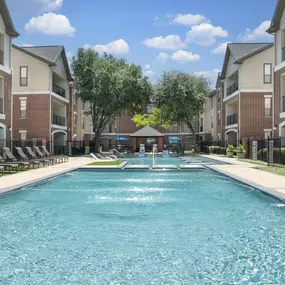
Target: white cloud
point(156, 18)
point(205, 34)
point(50, 24)
point(220, 49)
point(170, 42)
point(258, 34)
point(69, 55)
point(50, 5)
point(162, 57)
point(117, 47)
point(147, 71)
point(182, 56)
point(188, 19)
point(211, 75)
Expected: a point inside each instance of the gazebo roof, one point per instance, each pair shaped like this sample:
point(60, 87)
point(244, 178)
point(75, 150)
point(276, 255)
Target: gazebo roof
point(147, 132)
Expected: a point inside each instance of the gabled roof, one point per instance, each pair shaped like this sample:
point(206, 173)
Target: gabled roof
point(275, 22)
point(242, 51)
point(147, 132)
point(10, 29)
point(48, 54)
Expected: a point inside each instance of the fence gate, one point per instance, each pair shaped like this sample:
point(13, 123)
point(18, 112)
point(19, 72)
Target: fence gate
point(254, 150)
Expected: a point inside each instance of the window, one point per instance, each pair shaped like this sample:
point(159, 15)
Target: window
point(267, 102)
point(75, 97)
point(219, 118)
point(267, 134)
point(82, 123)
point(74, 119)
point(23, 76)
point(267, 73)
point(23, 109)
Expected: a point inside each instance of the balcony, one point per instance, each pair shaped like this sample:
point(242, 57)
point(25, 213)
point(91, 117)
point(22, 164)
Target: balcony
point(233, 88)
point(283, 104)
point(201, 129)
point(232, 119)
point(1, 57)
point(1, 106)
point(58, 90)
point(283, 54)
point(57, 120)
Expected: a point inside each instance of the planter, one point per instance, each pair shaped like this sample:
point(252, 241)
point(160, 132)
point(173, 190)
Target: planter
point(230, 154)
point(240, 155)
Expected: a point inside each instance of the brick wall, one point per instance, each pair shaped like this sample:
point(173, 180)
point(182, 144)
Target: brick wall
point(37, 122)
point(252, 119)
point(7, 102)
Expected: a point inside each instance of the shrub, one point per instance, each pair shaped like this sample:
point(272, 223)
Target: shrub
point(240, 149)
point(230, 148)
point(217, 149)
point(278, 155)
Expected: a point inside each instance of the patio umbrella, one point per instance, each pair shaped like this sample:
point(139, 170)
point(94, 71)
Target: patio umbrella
point(121, 139)
point(175, 139)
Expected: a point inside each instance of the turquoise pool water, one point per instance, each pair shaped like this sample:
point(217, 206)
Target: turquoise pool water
point(172, 160)
point(152, 227)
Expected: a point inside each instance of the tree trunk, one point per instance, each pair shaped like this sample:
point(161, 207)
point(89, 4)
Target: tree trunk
point(194, 135)
point(96, 141)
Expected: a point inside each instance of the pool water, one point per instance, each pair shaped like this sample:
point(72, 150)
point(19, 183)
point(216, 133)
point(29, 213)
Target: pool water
point(149, 160)
point(149, 227)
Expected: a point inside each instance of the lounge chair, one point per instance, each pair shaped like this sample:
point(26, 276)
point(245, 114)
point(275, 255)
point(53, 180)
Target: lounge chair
point(25, 158)
point(2, 170)
point(106, 157)
point(33, 156)
point(40, 154)
point(63, 158)
point(11, 158)
point(8, 166)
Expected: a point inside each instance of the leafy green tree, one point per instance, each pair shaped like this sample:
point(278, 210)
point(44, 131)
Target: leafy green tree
point(110, 87)
point(153, 119)
point(181, 97)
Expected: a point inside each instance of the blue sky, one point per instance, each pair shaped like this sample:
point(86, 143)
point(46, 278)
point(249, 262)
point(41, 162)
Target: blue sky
point(160, 35)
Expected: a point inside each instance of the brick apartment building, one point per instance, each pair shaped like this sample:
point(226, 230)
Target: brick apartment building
point(42, 100)
point(242, 104)
point(277, 28)
point(7, 33)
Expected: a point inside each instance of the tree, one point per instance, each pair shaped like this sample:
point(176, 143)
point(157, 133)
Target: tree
point(153, 119)
point(110, 86)
point(181, 98)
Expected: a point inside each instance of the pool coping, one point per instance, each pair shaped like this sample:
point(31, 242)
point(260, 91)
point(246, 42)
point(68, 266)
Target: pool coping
point(120, 166)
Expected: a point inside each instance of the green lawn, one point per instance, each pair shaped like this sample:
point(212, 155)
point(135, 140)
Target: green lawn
point(105, 163)
point(272, 169)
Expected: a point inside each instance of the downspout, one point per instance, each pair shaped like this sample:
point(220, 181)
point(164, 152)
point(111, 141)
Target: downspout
point(273, 102)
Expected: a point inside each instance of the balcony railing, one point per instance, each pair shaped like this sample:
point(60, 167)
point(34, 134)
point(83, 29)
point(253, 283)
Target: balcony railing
point(57, 120)
point(283, 54)
point(283, 104)
point(233, 88)
point(58, 90)
point(232, 119)
point(1, 57)
point(201, 129)
point(1, 106)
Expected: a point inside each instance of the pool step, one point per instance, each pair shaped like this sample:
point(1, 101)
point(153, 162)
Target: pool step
point(191, 166)
point(164, 166)
point(137, 166)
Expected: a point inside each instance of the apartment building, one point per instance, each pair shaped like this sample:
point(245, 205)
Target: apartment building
point(7, 33)
point(42, 94)
point(245, 92)
point(277, 28)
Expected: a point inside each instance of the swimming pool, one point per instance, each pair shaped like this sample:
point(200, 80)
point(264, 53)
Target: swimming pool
point(152, 227)
point(148, 160)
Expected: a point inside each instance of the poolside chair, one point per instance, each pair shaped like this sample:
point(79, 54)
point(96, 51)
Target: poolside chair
point(11, 158)
point(112, 156)
point(33, 156)
point(41, 155)
point(25, 158)
point(63, 158)
point(101, 157)
point(8, 166)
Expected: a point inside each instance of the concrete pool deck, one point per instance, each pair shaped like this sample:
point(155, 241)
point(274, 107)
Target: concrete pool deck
point(270, 183)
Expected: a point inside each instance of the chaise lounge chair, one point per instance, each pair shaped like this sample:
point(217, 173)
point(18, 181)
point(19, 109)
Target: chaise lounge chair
point(40, 154)
point(8, 166)
point(98, 156)
point(25, 158)
point(63, 158)
point(33, 156)
point(11, 158)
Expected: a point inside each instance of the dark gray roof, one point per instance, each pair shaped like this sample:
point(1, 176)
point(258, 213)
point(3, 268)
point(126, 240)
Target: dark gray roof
point(10, 29)
point(242, 51)
point(49, 53)
point(147, 132)
point(275, 22)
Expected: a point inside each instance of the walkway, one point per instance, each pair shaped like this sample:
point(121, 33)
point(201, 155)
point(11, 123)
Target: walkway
point(24, 178)
point(268, 182)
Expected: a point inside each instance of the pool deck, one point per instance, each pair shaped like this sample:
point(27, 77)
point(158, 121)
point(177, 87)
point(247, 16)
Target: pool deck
point(267, 182)
point(24, 178)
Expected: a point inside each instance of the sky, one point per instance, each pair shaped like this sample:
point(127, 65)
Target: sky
point(159, 35)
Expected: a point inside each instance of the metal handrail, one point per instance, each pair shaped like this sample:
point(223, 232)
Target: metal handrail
point(232, 119)
point(58, 90)
point(58, 120)
point(1, 106)
point(233, 88)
